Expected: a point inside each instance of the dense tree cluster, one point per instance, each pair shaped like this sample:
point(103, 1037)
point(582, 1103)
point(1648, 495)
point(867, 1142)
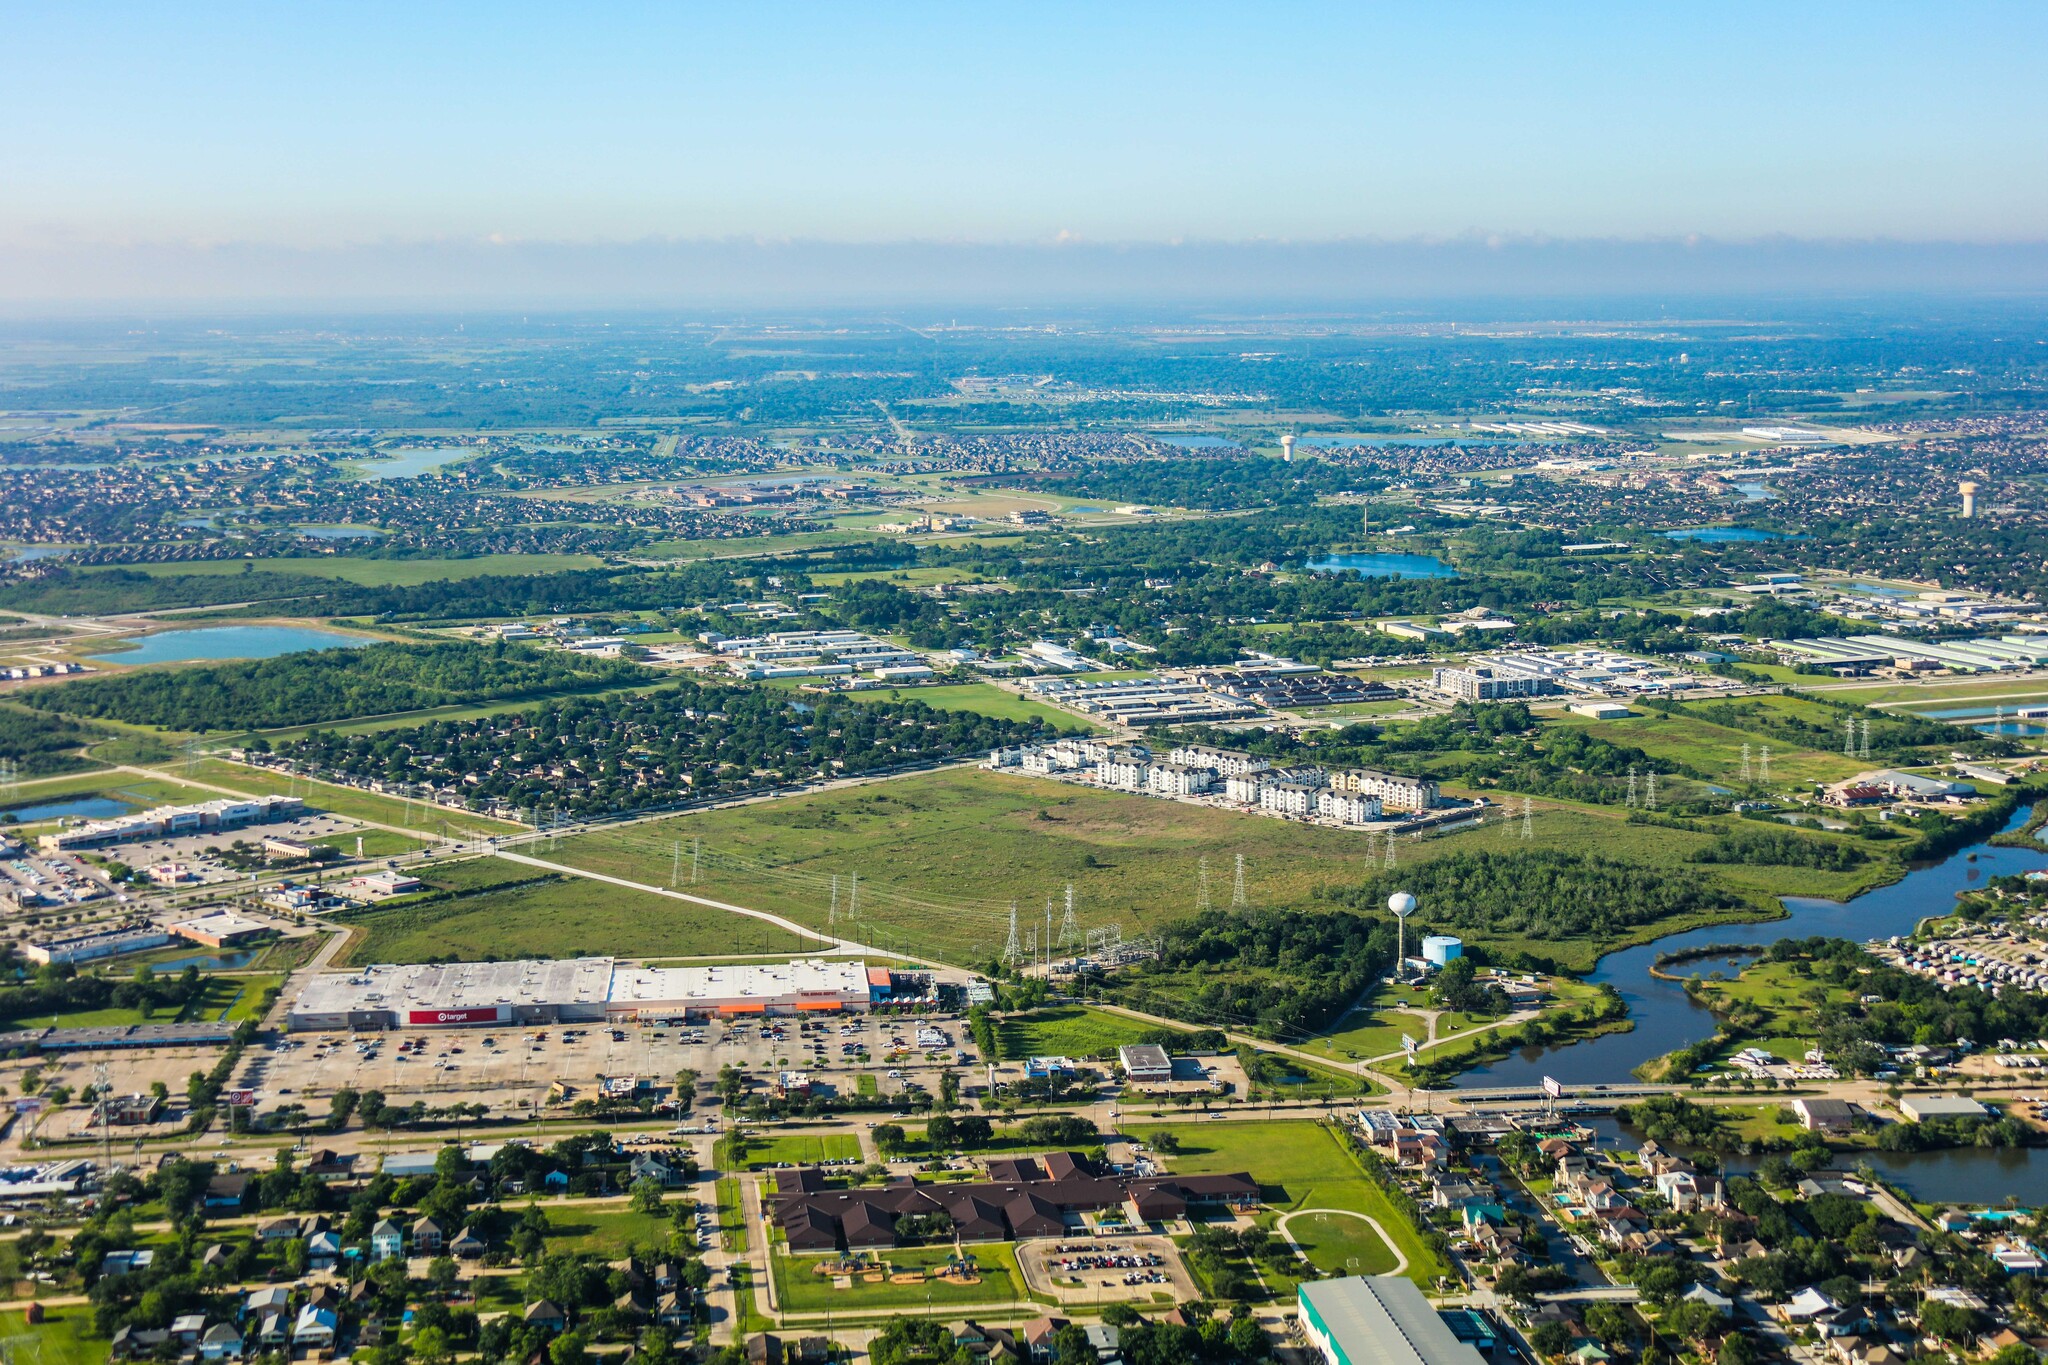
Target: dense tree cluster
point(40, 745)
point(1277, 972)
point(1543, 894)
point(589, 756)
point(332, 684)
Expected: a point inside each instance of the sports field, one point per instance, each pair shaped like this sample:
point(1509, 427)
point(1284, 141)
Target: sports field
point(799, 1288)
point(1302, 1165)
point(802, 1149)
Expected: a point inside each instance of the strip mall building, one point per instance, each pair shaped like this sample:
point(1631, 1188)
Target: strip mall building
point(586, 990)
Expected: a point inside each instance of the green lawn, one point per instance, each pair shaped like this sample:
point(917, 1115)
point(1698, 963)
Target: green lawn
point(1301, 1166)
point(607, 1231)
point(1369, 1033)
point(983, 699)
point(1067, 1031)
point(513, 910)
point(375, 843)
point(803, 1149)
point(1715, 751)
point(800, 1289)
point(376, 573)
point(61, 1338)
point(345, 801)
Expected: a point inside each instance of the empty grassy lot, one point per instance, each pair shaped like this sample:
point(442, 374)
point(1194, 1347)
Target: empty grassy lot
point(803, 1149)
point(1715, 751)
point(940, 856)
point(1067, 1031)
point(503, 910)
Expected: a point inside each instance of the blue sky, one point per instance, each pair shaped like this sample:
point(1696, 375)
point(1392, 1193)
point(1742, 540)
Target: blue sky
point(326, 127)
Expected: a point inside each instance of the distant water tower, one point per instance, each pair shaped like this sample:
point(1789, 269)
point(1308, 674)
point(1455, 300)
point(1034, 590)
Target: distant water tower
point(1287, 449)
point(1969, 492)
point(1403, 905)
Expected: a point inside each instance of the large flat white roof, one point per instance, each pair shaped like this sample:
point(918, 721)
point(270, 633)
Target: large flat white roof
point(458, 985)
point(762, 981)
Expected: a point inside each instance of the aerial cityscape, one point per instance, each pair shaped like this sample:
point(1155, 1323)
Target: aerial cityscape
point(780, 687)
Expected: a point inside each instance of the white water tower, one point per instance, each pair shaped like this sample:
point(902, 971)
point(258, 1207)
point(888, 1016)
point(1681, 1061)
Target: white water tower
point(1287, 448)
point(1403, 905)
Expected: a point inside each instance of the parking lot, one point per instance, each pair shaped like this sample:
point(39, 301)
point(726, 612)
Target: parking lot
point(49, 880)
point(206, 869)
point(1105, 1269)
point(513, 1068)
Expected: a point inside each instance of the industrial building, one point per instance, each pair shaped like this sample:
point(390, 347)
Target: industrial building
point(168, 821)
point(88, 947)
point(1861, 653)
point(1378, 1321)
point(588, 989)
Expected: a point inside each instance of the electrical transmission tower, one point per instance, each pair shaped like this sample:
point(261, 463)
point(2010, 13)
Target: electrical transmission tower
point(103, 1082)
point(832, 913)
point(1863, 742)
point(1631, 788)
point(1849, 738)
point(1202, 905)
point(1070, 932)
point(1011, 946)
point(1237, 901)
point(1389, 864)
point(1650, 800)
point(1745, 763)
point(1528, 825)
point(1763, 761)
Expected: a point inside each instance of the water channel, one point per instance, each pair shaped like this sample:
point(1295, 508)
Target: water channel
point(1666, 1019)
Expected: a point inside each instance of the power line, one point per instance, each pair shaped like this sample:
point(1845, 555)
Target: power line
point(1237, 900)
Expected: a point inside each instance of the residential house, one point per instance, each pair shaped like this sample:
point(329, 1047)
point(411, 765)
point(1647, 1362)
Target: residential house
point(187, 1328)
point(221, 1342)
point(467, 1246)
point(227, 1190)
point(663, 1169)
point(386, 1241)
point(765, 1349)
point(323, 1249)
point(544, 1315)
point(426, 1236)
point(272, 1299)
point(315, 1329)
point(1825, 1116)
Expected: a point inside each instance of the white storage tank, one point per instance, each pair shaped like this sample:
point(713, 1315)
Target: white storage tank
point(1439, 949)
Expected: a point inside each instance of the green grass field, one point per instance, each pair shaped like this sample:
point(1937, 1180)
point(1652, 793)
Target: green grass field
point(345, 801)
point(941, 855)
point(1302, 1166)
point(1067, 1031)
point(799, 1289)
point(137, 792)
point(376, 573)
point(375, 843)
point(983, 699)
point(555, 916)
point(744, 547)
point(803, 1149)
point(1369, 1033)
point(63, 1337)
point(1715, 751)
point(606, 1231)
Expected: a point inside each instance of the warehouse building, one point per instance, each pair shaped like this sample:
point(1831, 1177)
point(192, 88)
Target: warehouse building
point(1359, 1321)
point(590, 989)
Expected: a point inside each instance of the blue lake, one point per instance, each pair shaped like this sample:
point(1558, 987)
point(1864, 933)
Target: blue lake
point(2016, 729)
point(1385, 566)
point(340, 532)
point(414, 460)
point(78, 808)
point(231, 642)
point(1872, 590)
point(1203, 442)
point(1666, 1018)
point(1756, 492)
point(1721, 535)
point(205, 962)
point(28, 554)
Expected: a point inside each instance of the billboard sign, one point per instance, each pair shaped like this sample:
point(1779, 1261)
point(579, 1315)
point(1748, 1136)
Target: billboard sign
point(476, 1014)
point(1553, 1088)
point(28, 1106)
point(238, 1097)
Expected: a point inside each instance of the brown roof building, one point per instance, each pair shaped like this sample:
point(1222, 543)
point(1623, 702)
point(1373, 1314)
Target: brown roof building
point(1025, 1197)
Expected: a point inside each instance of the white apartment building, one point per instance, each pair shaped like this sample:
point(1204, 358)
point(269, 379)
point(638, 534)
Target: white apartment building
point(1178, 779)
point(1347, 808)
point(1124, 770)
point(1244, 788)
point(1296, 799)
point(1228, 762)
point(1393, 790)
